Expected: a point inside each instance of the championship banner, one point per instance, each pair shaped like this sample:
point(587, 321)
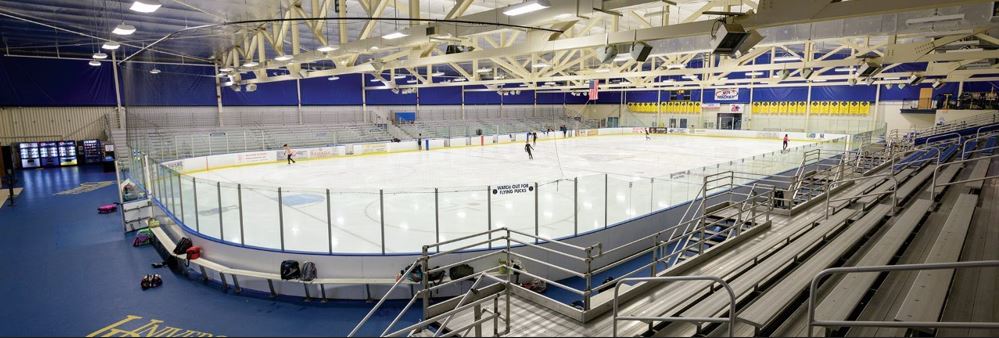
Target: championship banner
point(726, 94)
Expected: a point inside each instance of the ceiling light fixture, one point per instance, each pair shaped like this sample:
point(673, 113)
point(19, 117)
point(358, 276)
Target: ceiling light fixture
point(399, 77)
point(539, 65)
point(412, 81)
point(786, 58)
point(326, 49)
point(154, 71)
point(333, 78)
point(436, 74)
point(460, 79)
point(690, 77)
point(394, 35)
point(601, 70)
point(754, 74)
point(94, 63)
point(283, 58)
point(145, 6)
point(676, 66)
point(110, 45)
point(225, 69)
point(251, 64)
point(483, 70)
point(526, 7)
point(844, 69)
point(100, 56)
point(123, 29)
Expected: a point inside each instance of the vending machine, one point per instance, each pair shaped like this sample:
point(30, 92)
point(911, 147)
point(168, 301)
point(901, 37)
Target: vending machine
point(30, 155)
point(48, 154)
point(67, 153)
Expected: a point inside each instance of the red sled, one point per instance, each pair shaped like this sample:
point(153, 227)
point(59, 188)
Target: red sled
point(107, 209)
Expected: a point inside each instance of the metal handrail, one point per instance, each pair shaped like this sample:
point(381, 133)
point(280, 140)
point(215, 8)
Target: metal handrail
point(934, 185)
point(812, 322)
point(731, 309)
point(893, 191)
point(964, 147)
point(384, 298)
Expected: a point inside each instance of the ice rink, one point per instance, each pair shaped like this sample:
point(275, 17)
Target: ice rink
point(335, 205)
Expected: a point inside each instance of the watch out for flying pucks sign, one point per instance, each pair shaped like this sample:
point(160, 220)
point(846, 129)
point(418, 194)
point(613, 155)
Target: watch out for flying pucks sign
point(513, 189)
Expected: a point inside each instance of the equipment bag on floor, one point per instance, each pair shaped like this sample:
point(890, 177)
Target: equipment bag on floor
point(460, 271)
point(182, 246)
point(309, 272)
point(142, 237)
point(536, 285)
point(107, 208)
point(290, 270)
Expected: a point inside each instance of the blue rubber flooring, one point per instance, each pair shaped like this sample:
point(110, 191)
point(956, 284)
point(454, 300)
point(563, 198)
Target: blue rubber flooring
point(68, 271)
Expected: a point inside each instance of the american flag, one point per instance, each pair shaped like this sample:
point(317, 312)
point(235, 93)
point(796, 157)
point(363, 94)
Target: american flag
point(594, 90)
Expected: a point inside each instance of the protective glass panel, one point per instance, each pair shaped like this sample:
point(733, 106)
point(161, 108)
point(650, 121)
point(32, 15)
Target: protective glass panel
point(555, 209)
point(188, 206)
point(464, 212)
point(209, 222)
point(356, 222)
point(514, 207)
point(231, 220)
point(306, 227)
point(261, 223)
point(410, 220)
point(592, 199)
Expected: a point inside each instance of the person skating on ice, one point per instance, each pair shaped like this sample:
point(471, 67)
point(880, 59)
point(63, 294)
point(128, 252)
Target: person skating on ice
point(535, 134)
point(786, 140)
point(289, 153)
point(528, 148)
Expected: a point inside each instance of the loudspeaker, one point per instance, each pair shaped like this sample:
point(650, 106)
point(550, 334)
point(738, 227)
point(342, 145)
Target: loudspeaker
point(728, 39)
point(251, 87)
point(868, 69)
point(751, 40)
point(455, 49)
point(640, 51)
point(606, 54)
point(807, 73)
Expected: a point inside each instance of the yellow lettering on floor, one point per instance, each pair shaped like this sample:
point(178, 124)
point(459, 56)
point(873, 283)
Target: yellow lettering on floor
point(130, 327)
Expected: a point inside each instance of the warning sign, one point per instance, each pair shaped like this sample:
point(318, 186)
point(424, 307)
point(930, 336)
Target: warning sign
point(513, 189)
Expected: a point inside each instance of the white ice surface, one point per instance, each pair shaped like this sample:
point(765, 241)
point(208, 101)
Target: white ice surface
point(462, 176)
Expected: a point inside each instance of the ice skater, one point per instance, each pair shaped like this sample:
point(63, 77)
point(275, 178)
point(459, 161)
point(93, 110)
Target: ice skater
point(786, 141)
point(289, 153)
point(528, 148)
point(535, 134)
point(647, 137)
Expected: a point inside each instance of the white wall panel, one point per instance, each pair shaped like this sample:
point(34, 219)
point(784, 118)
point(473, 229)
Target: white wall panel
point(19, 124)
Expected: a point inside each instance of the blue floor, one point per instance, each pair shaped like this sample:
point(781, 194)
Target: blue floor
point(68, 271)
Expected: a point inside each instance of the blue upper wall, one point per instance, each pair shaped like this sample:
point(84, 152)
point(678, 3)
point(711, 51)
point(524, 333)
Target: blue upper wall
point(44, 82)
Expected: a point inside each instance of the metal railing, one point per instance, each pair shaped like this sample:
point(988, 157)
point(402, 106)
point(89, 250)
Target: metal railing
point(509, 237)
point(936, 170)
point(984, 118)
point(731, 309)
point(894, 191)
point(812, 322)
point(978, 137)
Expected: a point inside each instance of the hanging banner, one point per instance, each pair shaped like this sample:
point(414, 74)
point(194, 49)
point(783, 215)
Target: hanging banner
point(726, 94)
point(736, 108)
